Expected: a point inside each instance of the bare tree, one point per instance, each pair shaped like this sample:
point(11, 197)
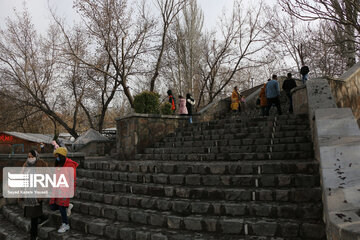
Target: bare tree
point(28, 68)
point(117, 34)
point(183, 56)
point(242, 40)
point(169, 10)
point(343, 13)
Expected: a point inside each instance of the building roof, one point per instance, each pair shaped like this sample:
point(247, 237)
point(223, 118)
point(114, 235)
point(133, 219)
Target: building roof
point(32, 137)
point(90, 135)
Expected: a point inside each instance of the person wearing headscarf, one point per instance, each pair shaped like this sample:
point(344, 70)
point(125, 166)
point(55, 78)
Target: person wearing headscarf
point(33, 206)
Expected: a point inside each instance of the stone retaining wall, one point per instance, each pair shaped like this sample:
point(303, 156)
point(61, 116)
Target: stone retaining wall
point(346, 90)
point(337, 148)
point(138, 131)
point(300, 100)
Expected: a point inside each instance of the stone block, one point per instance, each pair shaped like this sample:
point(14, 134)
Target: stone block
point(289, 229)
point(200, 207)
point(110, 212)
point(282, 195)
point(97, 228)
point(95, 210)
point(127, 233)
point(182, 207)
point(217, 169)
point(211, 225)
point(193, 223)
point(267, 181)
point(160, 178)
point(157, 220)
point(158, 236)
point(193, 180)
point(141, 235)
point(263, 210)
point(211, 180)
point(232, 226)
point(139, 217)
point(286, 211)
point(284, 180)
point(123, 215)
point(263, 228)
point(265, 195)
point(112, 231)
point(174, 222)
point(235, 209)
point(176, 179)
point(315, 231)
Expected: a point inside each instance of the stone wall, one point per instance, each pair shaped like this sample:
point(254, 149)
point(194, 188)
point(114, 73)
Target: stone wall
point(138, 131)
point(300, 100)
point(346, 90)
point(337, 148)
point(213, 110)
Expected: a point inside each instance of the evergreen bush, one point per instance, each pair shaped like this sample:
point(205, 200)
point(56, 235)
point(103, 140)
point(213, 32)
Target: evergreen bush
point(147, 102)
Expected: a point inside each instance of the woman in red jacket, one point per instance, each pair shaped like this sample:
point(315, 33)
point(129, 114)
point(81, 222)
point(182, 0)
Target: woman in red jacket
point(63, 204)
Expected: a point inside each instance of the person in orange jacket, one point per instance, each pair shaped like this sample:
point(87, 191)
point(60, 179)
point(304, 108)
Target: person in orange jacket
point(63, 204)
point(235, 100)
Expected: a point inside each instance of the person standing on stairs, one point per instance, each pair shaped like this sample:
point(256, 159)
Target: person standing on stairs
point(304, 71)
point(182, 106)
point(171, 101)
point(273, 95)
point(235, 100)
point(63, 204)
point(289, 84)
point(263, 100)
point(189, 103)
point(33, 206)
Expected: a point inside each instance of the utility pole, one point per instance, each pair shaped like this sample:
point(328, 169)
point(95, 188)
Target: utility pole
point(252, 82)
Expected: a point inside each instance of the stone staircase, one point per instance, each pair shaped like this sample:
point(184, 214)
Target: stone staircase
point(233, 178)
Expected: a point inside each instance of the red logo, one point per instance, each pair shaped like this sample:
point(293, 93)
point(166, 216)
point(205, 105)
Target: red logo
point(6, 138)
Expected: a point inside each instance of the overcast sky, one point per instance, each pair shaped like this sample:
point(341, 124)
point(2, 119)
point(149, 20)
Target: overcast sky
point(39, 10)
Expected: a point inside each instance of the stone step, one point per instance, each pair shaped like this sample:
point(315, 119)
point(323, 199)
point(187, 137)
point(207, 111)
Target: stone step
point(187, 207)
point(15, 215)
point(217, 131)
point(50, 233)
point(9, 231)
point(250, 122)
point(240, 127)
point(228, 136)
point(235, 147)
point(304, 166)
point(192, 228)
point(159, 218)
point(253, 180)
point(226, 142)
point(226, 156)
point(201, 192)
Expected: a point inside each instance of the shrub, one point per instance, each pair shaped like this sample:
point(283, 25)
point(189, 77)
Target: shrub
point(166, 109)
point(147, 102)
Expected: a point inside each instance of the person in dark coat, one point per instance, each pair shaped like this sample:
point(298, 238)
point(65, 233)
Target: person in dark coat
point(304, 71)
point(289, 84)
point(33, 206)
point(171, 101)
point(189, 103)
